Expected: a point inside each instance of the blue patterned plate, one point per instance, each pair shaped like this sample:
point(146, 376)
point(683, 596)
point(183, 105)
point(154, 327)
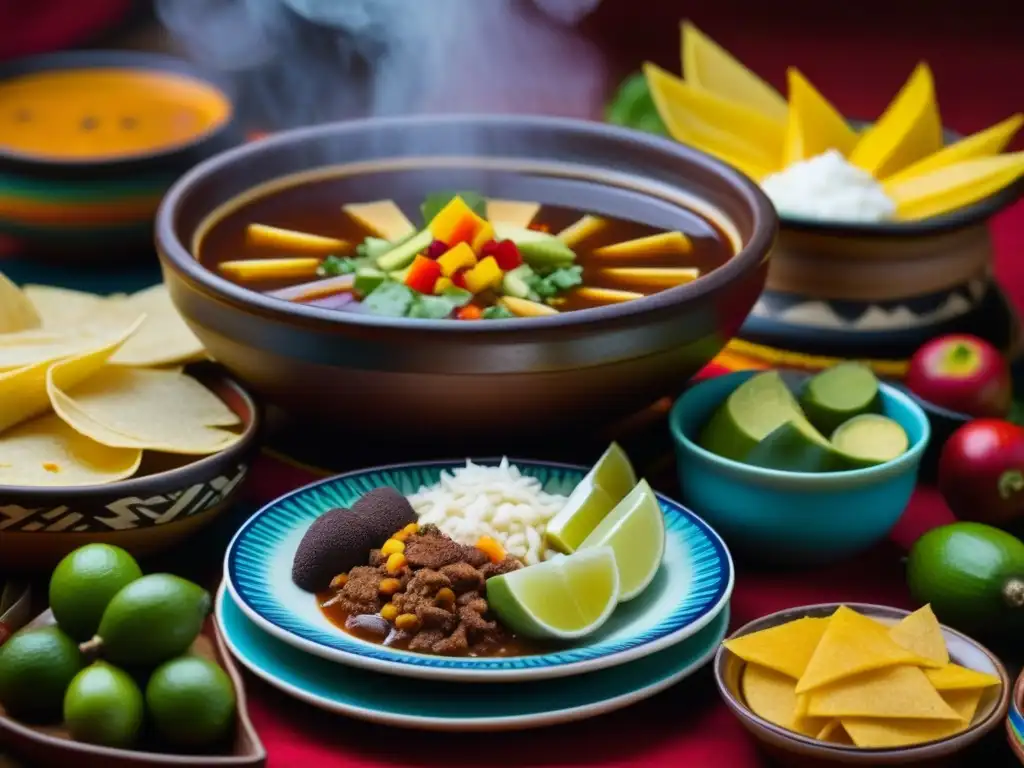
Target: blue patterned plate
point(450, 706)
point(691, 588)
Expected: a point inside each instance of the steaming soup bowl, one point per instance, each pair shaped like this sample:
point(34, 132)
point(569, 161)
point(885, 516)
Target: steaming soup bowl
point(410, 378)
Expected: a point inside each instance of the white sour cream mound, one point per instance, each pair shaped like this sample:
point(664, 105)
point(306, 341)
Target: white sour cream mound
point(828, 188)
point(499, 502)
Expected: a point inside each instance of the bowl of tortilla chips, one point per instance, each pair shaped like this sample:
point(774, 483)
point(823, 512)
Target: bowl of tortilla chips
point(113, 426)
point(861, 684)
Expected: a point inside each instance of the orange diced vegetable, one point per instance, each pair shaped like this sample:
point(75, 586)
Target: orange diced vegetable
point(389, 586)
point(422, 274)
point(494, 551)
point(456, 223)
point(459, 257)
point(395, 562)
point(469, 312)
point(389, 612)
point(486, 274)
point(391, 546)
point(483, 235)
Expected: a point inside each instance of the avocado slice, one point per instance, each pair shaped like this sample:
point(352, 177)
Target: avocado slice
point(796, 446)
point(755, 409)
point(516, 282)
point(367, 280)
point(870, 439)
point(839, 393)
point(401, 255)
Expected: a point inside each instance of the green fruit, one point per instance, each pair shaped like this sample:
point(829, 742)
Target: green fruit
point(836, 395)
point(103, 705)
point(84, 582)
point(36, 666)
point(869, 440)
point(191, 701)
point(153, 619)
point(972, 574)
point(795, 446)
point(754, 410)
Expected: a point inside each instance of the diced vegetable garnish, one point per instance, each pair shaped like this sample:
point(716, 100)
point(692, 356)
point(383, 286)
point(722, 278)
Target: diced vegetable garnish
point(390, 299)
point(433, 203)
point(505, 253)
point(655, 278)
point(486, 274)
point(440, 306)
point(261, 234)
point(517, 282)
point(437, 249)
point(497, 312)
point(556, 282)
point(373, 248)
point(459, 257)
point(317, 289)
point(662, 244)
point(422, 274)
point(368, 279)
point(484, 234)
point(605, 295)
point(456, 223)
point(382, 218)
point(402, 254)
point(469, 312)
point(339, 265)
point(525, 307)
point(270, 269)
point(513, 212)
point(443, 284)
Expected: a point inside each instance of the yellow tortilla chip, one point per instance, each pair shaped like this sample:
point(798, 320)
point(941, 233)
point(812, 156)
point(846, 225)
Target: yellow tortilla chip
point(163, 339)
point(920, 632)
point(18, 350)
point(953, 677)
point(965, 702)
point(786, 648)
point(16, 310)
point(851, 644)
point(146, 409)
point(892, 692)
point(770, 695)
point(23, 393)
point(514, 213)
point(47, 452)
point(64, 310)
point(888, 734)
point(834, 733)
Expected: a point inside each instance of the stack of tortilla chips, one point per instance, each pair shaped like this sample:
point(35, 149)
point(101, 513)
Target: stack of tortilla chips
point(848, 679)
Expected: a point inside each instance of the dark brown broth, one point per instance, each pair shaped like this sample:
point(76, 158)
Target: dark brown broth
point(315, 207)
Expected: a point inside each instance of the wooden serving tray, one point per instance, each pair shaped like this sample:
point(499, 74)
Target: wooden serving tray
point(51, 745)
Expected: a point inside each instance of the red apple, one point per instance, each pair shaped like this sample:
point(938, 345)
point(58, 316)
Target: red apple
point(962, 373)
point(981, 471)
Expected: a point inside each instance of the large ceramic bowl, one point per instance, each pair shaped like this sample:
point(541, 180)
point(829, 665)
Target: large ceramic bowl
point(407, 378)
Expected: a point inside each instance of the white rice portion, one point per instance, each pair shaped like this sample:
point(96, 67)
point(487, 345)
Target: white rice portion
point(499, 502)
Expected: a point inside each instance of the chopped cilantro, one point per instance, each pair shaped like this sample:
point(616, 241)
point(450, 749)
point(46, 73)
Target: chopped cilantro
point(338, 265)
point(434, 202)
point(437, 307)
point(496, 312)
point(556, 281)
point(390, 299)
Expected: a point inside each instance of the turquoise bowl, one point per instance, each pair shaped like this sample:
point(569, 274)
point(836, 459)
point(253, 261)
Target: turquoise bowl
point(793, 517)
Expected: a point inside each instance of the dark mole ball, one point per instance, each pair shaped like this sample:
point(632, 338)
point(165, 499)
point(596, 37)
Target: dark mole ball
point(336, 542)
point(385, 512)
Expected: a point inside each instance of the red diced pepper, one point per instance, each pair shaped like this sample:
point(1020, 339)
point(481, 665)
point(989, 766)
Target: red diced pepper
point(436, 249)
point(423, 274)
point(469, 312)
point(459, 279)
point(507, 255)
point(489, 248)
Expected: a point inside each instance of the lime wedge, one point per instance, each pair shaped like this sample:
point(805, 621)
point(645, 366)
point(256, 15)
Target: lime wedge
point(604, 486)
point(635, 531)
point(563, 598)
point(870, 439)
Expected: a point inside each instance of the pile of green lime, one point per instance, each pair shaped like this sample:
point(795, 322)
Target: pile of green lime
point(764, 424)
point(118, 659)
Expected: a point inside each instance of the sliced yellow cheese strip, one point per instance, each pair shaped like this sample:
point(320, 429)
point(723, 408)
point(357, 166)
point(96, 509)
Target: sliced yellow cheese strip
point(708, 65)
point(892, 692)
point(381, 218)
point(953, 187)
point(605, 295)
point(587, 232)
point(515, 213)
point(269, 269)
point(651, 278)
point(526, 308)
point(985, 143)
point(909, 129)
point(661, 244)
point(733, 132)
point(814, 126)
point(261, 234)
point(16, 310)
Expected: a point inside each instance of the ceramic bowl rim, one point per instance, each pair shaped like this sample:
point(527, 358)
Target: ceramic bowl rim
point(1016, 706)
point(123, 59)
point(816, 479)
point(176, 255)
point(743, 712)
point(170, 477)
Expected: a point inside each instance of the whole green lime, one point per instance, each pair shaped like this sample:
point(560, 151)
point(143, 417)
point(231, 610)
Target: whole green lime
point(973, 576)
point(103, 705)
point(84, 583)
point(153, 619)
point(191, 701)
point(36, 666)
